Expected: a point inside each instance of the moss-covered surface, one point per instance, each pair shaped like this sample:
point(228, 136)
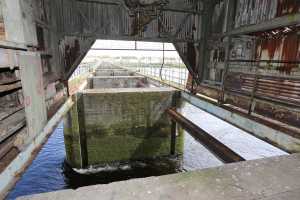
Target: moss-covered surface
point(71, 137)
point(123, 147)
point(123, 126)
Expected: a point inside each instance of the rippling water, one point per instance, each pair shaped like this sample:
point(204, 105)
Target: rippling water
point(46, 173)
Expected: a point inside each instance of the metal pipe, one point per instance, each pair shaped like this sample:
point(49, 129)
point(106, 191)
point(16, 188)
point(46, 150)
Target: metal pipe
point(163, 62)
point(216, 147)
point(106, 49)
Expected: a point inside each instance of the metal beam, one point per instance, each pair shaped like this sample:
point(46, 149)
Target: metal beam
point(213, 145)
point(278, 22)
point(128, 49)
point(116, 3)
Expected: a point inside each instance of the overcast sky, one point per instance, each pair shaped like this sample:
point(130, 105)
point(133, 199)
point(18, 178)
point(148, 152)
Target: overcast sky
point(117, 44)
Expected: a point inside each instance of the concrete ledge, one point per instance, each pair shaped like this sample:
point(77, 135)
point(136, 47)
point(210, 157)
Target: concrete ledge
point(118, 82)
point(127, 90)
point(266, 179)
point(114, 72)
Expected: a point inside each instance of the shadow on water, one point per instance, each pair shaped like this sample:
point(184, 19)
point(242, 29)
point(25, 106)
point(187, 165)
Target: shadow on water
point(121, 171)
point(50, 172)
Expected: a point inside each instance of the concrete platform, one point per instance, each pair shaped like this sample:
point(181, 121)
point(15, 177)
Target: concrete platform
point(117, 82)
point(266, 179)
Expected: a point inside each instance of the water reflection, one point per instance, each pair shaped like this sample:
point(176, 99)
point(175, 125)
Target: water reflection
point(49, 171)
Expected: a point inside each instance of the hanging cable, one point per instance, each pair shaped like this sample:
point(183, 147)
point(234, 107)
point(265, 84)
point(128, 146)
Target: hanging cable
point(163, 63)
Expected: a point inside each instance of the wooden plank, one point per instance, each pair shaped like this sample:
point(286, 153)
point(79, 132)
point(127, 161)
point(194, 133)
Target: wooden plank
point(7, 88)
point(7, 112)
point(8, 80)
point(10, 125)
point(6, 146)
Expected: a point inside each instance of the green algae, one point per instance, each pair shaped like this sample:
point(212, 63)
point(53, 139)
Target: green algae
point(121, 127)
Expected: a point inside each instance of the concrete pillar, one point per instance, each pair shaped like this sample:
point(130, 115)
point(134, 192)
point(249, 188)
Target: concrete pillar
point(120, 125)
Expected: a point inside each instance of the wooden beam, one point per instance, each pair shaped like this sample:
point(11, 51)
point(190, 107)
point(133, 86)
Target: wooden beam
point(11, 125)
point(7, 88)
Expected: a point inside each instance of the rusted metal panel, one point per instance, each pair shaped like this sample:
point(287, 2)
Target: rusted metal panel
point(284, 113)
point(257, 11)
point(284, 46)
point(285, 7)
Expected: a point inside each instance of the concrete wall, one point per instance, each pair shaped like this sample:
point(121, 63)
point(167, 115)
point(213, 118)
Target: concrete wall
point(34, 94)
point(118, 82)
point(112, 125)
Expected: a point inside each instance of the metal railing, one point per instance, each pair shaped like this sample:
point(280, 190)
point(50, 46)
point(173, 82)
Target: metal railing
point(84, 69)
point(172, 72)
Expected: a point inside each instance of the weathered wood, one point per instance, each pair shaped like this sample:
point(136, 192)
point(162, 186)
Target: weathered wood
point(7, 88)
point(10, 125)
point(8, 80)
point(6, 146)
point(8, 112)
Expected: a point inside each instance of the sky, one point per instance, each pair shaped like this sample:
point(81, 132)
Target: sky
point(117, 44)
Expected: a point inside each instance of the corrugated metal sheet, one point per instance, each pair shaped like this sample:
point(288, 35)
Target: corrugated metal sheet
point(256, 11)
point(96, 19)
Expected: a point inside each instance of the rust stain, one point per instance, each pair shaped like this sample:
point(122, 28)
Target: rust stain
point(287, 7)
point(271, 45)
point(282, 42)
point(290, 51)
point(72, 52)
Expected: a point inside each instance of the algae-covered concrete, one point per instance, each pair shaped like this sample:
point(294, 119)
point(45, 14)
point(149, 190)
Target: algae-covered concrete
point(118, 82)
point(113, 125)
point(113, 72)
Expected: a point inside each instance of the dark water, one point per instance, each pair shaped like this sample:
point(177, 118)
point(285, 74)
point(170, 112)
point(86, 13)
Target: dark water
point(48, 172)
point(45, 173)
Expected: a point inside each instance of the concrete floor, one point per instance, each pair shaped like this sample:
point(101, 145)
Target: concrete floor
point(265, 179)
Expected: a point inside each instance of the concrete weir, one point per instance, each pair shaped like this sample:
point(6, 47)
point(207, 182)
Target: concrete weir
point(120, 119)
point(113, 72)
point(118, 82)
